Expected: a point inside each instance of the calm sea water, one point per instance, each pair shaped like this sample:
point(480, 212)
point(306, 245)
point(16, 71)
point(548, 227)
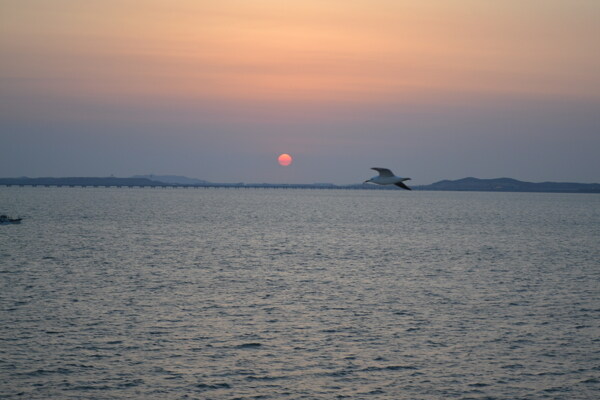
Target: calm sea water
point(299, 294)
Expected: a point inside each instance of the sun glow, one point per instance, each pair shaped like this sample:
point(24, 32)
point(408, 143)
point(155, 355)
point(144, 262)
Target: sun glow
point(285, 159)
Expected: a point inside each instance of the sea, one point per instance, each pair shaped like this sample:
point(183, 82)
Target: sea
point(223, 293)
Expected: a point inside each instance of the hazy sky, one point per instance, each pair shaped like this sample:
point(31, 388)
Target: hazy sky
point(216, 90)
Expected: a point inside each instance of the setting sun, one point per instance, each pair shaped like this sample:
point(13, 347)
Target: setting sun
point(285, 159)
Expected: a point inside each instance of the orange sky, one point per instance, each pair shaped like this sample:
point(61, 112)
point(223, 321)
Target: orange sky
point(469, 81)
point(304, 50)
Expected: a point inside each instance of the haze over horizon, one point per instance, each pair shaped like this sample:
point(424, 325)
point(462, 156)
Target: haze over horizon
point(217, 90)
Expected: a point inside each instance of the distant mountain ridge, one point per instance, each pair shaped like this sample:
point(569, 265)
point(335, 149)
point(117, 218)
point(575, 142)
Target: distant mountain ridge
point(511, 185)
point(465, 184)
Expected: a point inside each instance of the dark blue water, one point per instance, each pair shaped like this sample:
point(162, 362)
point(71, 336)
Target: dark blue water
point(298, 294)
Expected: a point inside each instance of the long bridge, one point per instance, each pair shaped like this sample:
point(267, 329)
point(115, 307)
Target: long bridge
point(146, 183)
point(179, 186)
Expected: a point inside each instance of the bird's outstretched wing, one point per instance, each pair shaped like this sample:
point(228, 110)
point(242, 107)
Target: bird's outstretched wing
point(402, 185)
point(383, 171)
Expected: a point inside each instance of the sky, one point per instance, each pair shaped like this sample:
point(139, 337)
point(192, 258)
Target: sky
point(217, 90)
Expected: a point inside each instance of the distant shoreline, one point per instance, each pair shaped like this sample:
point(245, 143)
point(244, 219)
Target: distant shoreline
point(465, 184)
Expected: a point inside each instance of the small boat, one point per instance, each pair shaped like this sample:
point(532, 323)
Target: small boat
point(4, 220)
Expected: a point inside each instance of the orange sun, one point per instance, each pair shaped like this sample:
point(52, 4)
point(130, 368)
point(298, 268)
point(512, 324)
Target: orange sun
point(285, 159)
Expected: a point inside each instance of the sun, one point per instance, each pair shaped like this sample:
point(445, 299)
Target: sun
point(285, 159)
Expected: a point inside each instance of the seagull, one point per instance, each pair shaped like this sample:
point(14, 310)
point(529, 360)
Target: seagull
point(387, 177)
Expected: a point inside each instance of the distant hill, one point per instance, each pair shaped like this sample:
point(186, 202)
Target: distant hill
point(511, 185)
point(174, 179)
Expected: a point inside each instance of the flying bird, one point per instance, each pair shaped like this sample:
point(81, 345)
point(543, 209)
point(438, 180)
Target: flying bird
point(387, 177)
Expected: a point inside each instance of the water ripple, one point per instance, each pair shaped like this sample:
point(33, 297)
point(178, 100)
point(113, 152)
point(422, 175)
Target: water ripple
point(264, 294)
